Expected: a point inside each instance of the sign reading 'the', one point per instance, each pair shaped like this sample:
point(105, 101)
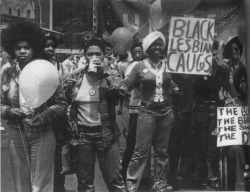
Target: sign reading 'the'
point(190, 45)
point(233, 126)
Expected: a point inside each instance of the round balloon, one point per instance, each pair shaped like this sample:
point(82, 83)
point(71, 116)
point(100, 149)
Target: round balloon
point(122, 40)
point(158, 17)
point(38, 81)
point(242, 32)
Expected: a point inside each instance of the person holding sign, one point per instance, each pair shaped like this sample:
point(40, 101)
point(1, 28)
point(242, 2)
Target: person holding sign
point(30, 128)
point(238, 155)
point(156, 114)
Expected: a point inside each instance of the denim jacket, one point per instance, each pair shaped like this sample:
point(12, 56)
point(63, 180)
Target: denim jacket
point(51, 111)
point(107, 102)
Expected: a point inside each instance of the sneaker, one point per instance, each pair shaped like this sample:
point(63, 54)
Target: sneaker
point(247, 175)
point(168, 187)
point(247, 172)
point(213, 182)
point(130, 187)
point(202, 183)
point(161, 186)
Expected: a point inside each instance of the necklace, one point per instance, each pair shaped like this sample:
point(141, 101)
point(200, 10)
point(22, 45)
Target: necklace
point(154, 63)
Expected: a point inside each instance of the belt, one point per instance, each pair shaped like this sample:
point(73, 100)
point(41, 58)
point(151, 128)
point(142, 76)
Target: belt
point(207, 103)
point(155, 105)
point(86, 129)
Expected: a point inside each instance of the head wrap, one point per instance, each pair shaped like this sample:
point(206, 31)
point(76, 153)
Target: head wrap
point(150, 38)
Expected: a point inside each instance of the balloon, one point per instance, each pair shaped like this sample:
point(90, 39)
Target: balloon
point(122, 40)
point(38, 81)
point(242, 30)
point(106, 36)
point(175, 7)
point(158, 17)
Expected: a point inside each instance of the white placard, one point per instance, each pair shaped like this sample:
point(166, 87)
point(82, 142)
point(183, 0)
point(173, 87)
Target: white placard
point(190, 45)
point(233, 126)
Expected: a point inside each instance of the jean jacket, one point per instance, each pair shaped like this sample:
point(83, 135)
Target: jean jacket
point(107, 101)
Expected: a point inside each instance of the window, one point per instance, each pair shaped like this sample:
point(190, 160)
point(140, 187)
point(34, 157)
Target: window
point(28, 13)
point(10, 11)
point(18, 12)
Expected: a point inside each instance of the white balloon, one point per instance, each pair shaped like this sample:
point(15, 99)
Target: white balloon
point(158, 17)
point(38, 81)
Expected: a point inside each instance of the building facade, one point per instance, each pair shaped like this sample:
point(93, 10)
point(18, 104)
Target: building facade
point(14, 10)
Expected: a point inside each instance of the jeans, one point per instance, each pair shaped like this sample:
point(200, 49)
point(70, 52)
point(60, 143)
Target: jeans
point(109, 163)
point(32, 159)
point(178, 147)
point(153, 128)
point(235, 167)
point(130, 146)
point(199, 141)
point(59, 179)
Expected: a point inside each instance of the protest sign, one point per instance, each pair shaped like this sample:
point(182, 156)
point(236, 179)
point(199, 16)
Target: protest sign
point(190, 45)
point(233, 126)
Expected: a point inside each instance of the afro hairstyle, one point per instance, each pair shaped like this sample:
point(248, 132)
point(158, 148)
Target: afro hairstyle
point(23, 31)
point(94, 42)
point(53, 38)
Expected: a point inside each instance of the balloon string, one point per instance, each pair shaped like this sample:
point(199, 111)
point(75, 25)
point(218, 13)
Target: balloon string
point(126, 40)
point(26, 153)
point(119, 45)
point(27, 156)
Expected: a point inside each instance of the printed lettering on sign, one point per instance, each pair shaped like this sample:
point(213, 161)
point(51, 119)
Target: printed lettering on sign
point(190, 45)
point(233, 126)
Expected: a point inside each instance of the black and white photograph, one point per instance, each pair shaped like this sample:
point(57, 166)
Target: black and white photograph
point(124, 95)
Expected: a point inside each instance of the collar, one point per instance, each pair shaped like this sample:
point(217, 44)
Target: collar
point(159, 79)
point(18, 69)
point(155, 71)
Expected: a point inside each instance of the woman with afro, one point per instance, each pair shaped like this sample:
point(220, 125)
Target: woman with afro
point(32, 140)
